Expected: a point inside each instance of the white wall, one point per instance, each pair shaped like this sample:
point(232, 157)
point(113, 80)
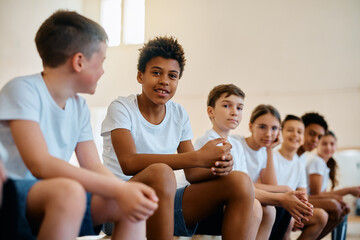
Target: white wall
point(297, 55)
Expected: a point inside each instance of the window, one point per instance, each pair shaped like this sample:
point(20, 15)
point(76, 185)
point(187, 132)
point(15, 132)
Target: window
point(123, 21)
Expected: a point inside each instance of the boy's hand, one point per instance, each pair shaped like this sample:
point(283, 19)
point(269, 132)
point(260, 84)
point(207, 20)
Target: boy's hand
point(137, 201)
point(224, 167)
point(297, 205)
point(210, 153)
point(297, 226)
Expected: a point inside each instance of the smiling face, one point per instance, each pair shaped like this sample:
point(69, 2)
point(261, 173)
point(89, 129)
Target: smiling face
point(293, 134)
point(313, 134)
point(265, 130)
point(327, 147)
point(160, 80)
point(227, 113)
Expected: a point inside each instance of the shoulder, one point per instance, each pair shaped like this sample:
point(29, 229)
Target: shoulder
point(238, 138)
point(236, 144)
point(314, 159)
point(129, 103)
point(176, 109)
point(22, 84)
point(201, 141)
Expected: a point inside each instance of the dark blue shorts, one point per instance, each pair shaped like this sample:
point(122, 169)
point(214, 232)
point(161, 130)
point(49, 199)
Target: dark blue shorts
point(14, 223)
point(180, 228)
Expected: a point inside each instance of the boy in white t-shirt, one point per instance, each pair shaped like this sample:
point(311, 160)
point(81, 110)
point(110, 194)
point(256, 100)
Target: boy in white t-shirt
point(315, 128)
point(143, 132)
point(43, 121)
point(290, 171)
point(225, 104)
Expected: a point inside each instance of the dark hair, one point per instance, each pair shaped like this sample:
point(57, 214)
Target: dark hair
point(262, 110)
point(314, 118)
point(332, 165)
point(165, 47)
point(288, 118)
point(65, 33)
point(229, 89)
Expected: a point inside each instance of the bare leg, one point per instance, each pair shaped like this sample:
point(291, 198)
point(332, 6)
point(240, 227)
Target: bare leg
point(234, 190)
point(160, 225)
point(58, 206)
point(256, 220)
point(315, 225)
point(267, 222)
point(333, 208)
point(129, 230)
point(162, 179)
point(289, 229)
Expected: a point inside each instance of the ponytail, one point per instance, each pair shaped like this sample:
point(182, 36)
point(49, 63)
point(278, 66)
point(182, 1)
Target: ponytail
point(333, 169)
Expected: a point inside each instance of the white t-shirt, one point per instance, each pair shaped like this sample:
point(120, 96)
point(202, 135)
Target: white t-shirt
point(236, 151)
point(27, 98)
point(291, 173)
point(317, 165)
point(255, 160)
point(163, 138)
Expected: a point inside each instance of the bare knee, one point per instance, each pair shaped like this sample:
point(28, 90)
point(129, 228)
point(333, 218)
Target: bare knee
point(269, 213)
point(161, 178)
point(239, 184)
point(68, 195)
point(335, 212)
point(258, 211)
point(321, 217)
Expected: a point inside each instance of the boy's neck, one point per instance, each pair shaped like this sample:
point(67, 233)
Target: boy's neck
point(153, 113)
point(222, 133)
point(58, 85)
point(300, 151)
point(287, 153)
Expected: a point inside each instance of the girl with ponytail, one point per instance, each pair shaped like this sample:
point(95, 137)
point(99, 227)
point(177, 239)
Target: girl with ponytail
point(321, 169)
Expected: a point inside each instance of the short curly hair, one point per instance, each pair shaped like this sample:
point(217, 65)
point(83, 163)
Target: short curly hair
point(314, 118)
point(166, 47)
point(228, 89)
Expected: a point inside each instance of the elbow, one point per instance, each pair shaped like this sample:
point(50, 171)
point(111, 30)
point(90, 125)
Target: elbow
point(189, 176)
point(127, 167)
point(38, 170)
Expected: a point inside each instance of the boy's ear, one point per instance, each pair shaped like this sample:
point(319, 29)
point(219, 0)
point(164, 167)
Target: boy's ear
point(210, 112)
point(77, 62)
point(139, 77)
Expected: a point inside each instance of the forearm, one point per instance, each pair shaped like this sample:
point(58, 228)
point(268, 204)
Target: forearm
point(267, 198)
point(194, 175)
point(342, 191)
point(135, 163)
point(272, 188)
point(93, 182)
point(268, 174)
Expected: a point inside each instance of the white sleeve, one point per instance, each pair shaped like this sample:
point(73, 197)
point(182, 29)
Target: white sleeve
point(303, 177)
point(19, 100)
point(117, 116)
point(314, 166)
point(186, 133)
point(86, 130)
